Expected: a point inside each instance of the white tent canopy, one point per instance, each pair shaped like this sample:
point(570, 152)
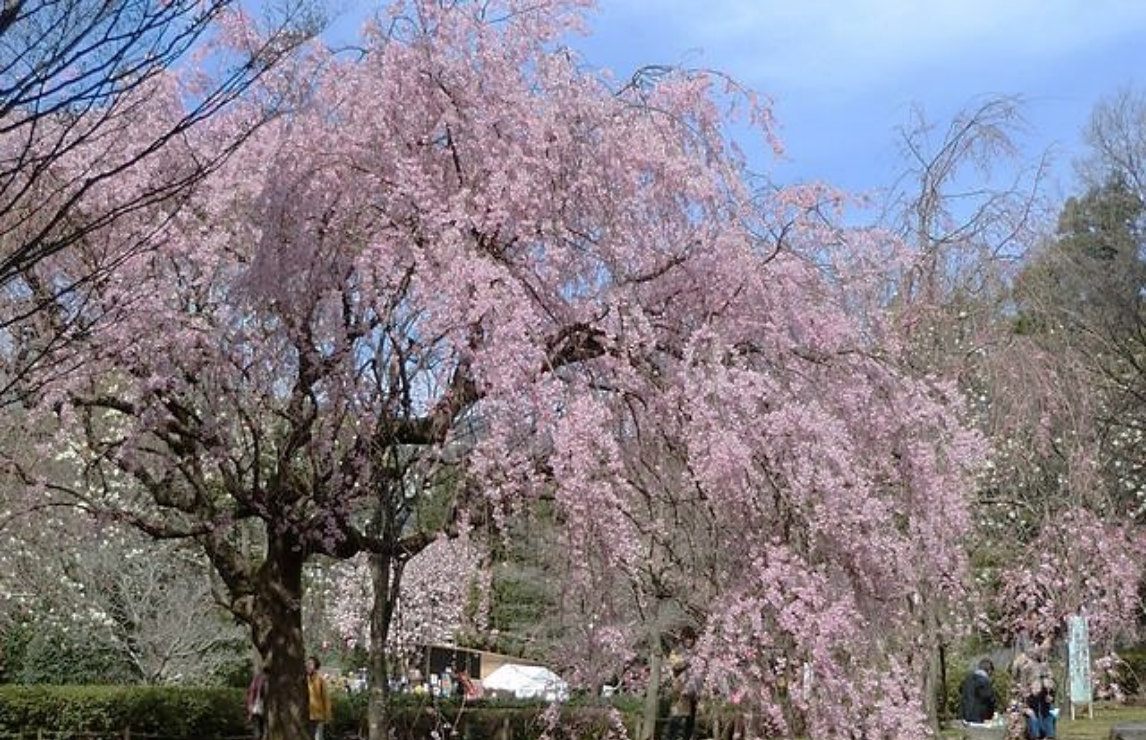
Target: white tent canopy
point(527, 682)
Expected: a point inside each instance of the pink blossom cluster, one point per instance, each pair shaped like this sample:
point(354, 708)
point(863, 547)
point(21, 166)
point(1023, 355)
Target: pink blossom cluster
point(1078, 564)
point(1109, 678)
point(434, 607)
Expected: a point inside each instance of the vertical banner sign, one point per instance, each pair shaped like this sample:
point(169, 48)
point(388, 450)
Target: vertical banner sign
point(1079, 657)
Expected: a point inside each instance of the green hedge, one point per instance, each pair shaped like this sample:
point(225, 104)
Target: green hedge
point(177, 712)
point(215, 713)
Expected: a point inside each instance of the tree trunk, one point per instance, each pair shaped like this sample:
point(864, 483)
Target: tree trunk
point(652, 691)
point(277, 631)
point(932, 688)
point(943, 706)
point(386, 576)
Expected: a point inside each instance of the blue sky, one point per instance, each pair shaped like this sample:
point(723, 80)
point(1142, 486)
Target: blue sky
point(844, 73)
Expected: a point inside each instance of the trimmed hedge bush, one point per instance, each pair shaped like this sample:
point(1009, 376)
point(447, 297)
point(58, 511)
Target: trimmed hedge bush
point(216, 713)
point(177, 712)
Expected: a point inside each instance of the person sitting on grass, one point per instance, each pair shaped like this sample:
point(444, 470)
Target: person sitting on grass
point(1039, 709)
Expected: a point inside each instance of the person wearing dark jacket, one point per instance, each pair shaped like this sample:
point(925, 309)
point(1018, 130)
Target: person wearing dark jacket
point(977, 700)
point(1039, 708)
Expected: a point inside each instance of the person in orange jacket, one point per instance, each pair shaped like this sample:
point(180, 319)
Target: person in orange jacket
point(321, 711)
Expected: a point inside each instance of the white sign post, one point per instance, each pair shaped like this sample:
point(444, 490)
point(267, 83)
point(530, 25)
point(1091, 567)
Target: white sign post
point(1078, 662)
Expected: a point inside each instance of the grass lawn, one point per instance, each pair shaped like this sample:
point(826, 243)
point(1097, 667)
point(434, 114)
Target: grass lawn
point(1098, 728)
point(1084, 728)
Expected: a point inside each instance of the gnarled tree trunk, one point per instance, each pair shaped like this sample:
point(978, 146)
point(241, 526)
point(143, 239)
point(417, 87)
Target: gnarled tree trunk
point(277, 630)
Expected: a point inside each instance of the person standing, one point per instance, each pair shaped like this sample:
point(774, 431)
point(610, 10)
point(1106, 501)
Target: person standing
point(257, 704)
point(977, 700)
point(318, 693)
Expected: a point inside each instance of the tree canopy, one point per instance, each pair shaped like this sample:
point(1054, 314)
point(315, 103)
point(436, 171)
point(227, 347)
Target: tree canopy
point(457, 283)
